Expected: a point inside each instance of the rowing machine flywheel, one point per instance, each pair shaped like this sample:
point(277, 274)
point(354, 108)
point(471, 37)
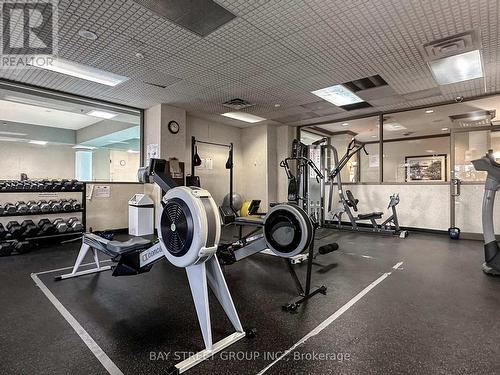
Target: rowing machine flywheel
point(189, 226)
point(288, 230)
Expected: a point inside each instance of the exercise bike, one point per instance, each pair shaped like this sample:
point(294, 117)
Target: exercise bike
point(487, 163)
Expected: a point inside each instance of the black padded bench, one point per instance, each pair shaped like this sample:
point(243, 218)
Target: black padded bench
point(370, 216)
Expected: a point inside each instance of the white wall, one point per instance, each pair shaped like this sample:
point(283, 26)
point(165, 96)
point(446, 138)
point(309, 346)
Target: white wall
point(36, 161)
point(421, 206)
point(112, 212)
point(254, 141)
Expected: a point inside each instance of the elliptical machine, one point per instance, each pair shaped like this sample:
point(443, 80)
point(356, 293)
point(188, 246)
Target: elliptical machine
point(487, 163)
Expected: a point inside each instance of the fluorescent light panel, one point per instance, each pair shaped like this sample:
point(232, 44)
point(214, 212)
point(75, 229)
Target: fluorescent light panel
point(102, 114)
point(88, 73)
point(41, 143)
point(458, 68)
point(338, 95)
point(243, 116)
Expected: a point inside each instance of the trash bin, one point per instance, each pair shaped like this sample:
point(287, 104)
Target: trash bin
point(140, 215)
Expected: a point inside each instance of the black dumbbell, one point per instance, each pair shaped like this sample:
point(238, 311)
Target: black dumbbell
point(46, 227)
point(29, 228)
point(23, 247)
point(14, 228)
point(75, 204)
point(66, 205)
point(56, 185)
point(22, 207)
point(55, 206)
point(46, 185)
point(9, 208)
point(3, 232)
point(6, 248)
point(67, 185)
point(44, 206)
point(75, 224)
point(78, 186)
point(33, 207)
point(60, 225)
point(1, 210)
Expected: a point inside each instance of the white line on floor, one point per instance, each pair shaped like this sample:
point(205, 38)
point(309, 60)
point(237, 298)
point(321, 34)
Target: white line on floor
point(330, 319)
point(356, 255)
point(89, 341)
point(69, 268)
point(397, 265)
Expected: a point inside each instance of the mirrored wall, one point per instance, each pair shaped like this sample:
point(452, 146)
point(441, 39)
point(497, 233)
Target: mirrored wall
point(51, 136)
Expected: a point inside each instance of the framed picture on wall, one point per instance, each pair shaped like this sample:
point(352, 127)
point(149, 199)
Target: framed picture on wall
point(426, 168)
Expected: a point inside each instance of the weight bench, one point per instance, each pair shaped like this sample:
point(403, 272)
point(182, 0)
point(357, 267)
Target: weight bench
point(133, 257)
point(372, 216)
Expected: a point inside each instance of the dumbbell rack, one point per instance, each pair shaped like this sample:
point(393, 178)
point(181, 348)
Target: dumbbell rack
point(31, 215)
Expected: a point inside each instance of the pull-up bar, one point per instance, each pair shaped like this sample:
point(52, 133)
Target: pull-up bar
point(196, 161)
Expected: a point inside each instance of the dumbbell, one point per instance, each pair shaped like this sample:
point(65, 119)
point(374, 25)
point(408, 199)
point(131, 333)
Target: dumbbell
point(67, 185)
point(3, 232)
point(56, 185)
point(55, 206)
point(22, 207)
point(29, 229)
point(33, 207)
point(6, 248)
point(66, 205)
point(14, 228)
point(47, 185)
point(61, 225)
point(9, 208)
point(1, 210)
point(75, 224)
point(46, 227)
point(75, 204)
point(77, 186)
point(23, 247)
point(44, 206)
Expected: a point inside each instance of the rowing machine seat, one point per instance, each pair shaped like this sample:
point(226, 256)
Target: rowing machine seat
point(371, 215)
point(115, 248)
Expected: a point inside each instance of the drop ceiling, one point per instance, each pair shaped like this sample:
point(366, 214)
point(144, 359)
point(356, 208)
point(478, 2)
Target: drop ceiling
point(272, 53)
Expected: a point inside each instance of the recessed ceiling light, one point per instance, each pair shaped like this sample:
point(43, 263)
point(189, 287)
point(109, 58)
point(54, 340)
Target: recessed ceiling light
point(277, 105)
point(445, 129)
point(338, 95)
point(132, 151)
point(458, 68)
point(82, 147)
point(139, 55)
point(41, 143)
point(73, 69)
point(345, 124)
point(243, 116)
point(374, 136)
point(429, 111)
point(430, 151)
point(87, 34)
point(102, 114)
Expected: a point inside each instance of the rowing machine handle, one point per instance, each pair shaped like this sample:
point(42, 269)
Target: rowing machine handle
point(330, 248)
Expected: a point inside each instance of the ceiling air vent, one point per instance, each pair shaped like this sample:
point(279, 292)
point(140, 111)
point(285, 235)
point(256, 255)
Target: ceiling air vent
point(237, 104)
point(473, 119)
point(452, 45)
point(365, 83)
point(199, 16)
